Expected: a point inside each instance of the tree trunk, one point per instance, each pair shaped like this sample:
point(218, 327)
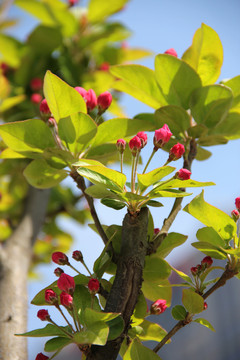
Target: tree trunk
point(15, 258)
point(128, 280)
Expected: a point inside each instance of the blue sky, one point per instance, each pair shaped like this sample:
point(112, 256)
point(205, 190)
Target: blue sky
point(158, 25)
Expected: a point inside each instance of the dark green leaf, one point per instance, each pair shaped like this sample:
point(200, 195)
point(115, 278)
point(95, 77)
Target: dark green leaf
point(169, 243)
point(113, 203)
point(48, 330)
point(179, 312)
point(57, 344)
point(175, 117)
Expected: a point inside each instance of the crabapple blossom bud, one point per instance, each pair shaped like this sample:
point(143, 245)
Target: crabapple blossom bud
point(161, 137)
point(44, 109)
point(176, 152)
point(58, 271)
point(235, 215)
point(199, 268)
point(104, 100)
point(43, 315)
point(121, 145)
point(93, 286)
point(81, 91)
point(171, 52)
point(156, 231)
point(91, 99)
point(36, 84)
point(104, 66)
point(237, 203)
point(51, 297)
point(135, 145)
point(77, 255)
point(158, 307)
point(66, 299)
point(207, 261)
point(36, 98)
point(66, 283)
point(72, 2)
point(183, 174)
point(60, 258)
point(194, 270)
point(41, 356)
point(205, 306)
point(143, 137)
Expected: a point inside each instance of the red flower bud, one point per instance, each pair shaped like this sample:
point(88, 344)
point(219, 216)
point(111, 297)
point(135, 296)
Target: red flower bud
point(36, 98)
point(158, 307)
point(207, 261)
point(121, 145)
point(205, 306)
point(43, 315)
point(156, 231)
point(72, 2)
point(93, 286)
point(60, 258)
point(194, 270)
point(66, 299)
point(4, 67)
point(235, 215)
point(41, 356)
point(58, 271)
point(161, 137)
point(104, 66)
point(44, 109)
point(176, 152)
point(51, 297)
point(171, 52)
point(143, 137)
point(237, 203)
point(36, 84)
point(91, 99)
point(135, 144)
point(183, 174)
point(77, 255)
point(66, 283)
point(81, 91)
point(104, 100)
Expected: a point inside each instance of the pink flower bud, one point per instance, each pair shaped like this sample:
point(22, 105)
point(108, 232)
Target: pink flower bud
point(91, 100)
point(183, 174)
point(66, 299)
point(60, 258)
point(161, 137)
point(207, 261)
point(36, 84)
point(77, 255)
point(194, 270)
point(135, 145)
point(176, 152)
point(41, 356)
point(237, 203)
point(171, 52)
point(158, 307)
point(143, 137)
point(51, 297)
point(235, 215)
point(58, 271)
point(156, 231)
point(205, 306)
point(36, 98)
point(93, 286)
point(4, 67)
point(104, 66)
point(43, 315)
point(44, 109)
point(81, 91)
point(104, 100)
point(121, 145)
point(66, 283)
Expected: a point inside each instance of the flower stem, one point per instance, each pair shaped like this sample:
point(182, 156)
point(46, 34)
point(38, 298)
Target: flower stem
point(60, 310)
point(86, 268)
point(132, 174)
point(135, 169)
point(59, 327)
point(121, 162)
point(151, 156)
point(72, 267)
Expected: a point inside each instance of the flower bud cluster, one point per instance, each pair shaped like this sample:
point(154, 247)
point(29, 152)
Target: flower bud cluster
point(236, 212)
point(200, 268)
point(103, 101)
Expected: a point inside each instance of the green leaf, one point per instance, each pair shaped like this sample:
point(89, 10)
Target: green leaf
point(169, 243)
point(212, 140)
point(113, 203)
point(37, 39)
point(156, 269)
point(99, 192)
point(175, 117)
point(208, 234)
point(234, 85)
point(77, 131)
point(137, 351)
point(57, 344)
point(139, 82)
point(116, 327)
point(91, 316)
point(11, 50)
point(114, 129)
point(96, 334)
point(82, 300)
point(10, 102)
point(48, 330)
point(205, 54)
point(179, 312)
point(157, 291)
point(210, 250)
point(202, 154)
point(145, 180)
point(29, 136)
point(176, 183)
point(62, 99)
point(182, 275)
point(98, 10)
point(153, 203)
point(204, 322)
point(42, 176)
point(177, 80)
point(210, 104)
point(192, 301)
point(210, 216)
point(197, 131)
point(140, 311)
point(168, 193)
point(229, 127)
point(147, 330)
point(112, 179)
